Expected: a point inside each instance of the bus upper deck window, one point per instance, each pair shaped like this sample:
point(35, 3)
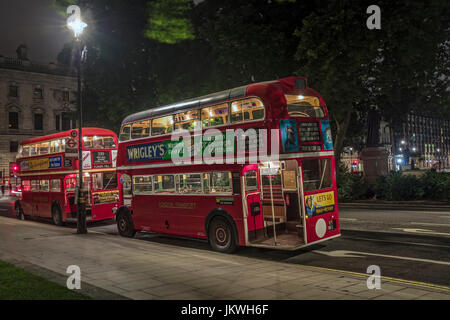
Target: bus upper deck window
point(140, 129)
point(163, 125)
point(304, 106)
point(247, 110)
point(33, 150)
point(215, 115)
point(26, 151)
point(43, 148)
point(187, 120)
point(108, 143)
point(125, 133)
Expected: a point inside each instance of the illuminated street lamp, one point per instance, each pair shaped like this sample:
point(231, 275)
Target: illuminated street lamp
point(75, 24)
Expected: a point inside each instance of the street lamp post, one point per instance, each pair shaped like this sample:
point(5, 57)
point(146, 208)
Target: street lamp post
point(75, 23)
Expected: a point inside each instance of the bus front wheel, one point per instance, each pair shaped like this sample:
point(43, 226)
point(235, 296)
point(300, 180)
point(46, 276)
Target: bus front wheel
point(221, 235)
point(125, 225)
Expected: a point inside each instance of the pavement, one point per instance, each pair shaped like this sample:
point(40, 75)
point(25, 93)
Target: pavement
point(113, 267)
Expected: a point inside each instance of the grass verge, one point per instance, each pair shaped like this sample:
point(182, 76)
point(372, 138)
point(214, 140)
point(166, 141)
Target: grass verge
point(18, 284)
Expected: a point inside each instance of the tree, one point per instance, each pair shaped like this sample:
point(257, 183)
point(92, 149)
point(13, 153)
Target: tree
point(334, 50)
point(392, 69)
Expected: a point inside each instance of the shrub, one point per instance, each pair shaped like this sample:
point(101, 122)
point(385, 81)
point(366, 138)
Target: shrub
point(351, 186)
point(436, 185)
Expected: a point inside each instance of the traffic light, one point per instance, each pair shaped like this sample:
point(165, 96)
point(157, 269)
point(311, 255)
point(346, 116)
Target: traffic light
point(14, 168)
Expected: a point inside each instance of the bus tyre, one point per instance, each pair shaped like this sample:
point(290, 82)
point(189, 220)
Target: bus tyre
point(221, 235)
point(125, 225)
point(19, 213)
point(56, 216)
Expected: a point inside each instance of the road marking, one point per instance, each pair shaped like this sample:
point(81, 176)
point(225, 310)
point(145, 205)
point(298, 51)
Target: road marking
point(348, 219)
point(423, 231)
point(355, 254)
point(432, 224)
point(365, 275)
point(401, 242)
point(3, 210)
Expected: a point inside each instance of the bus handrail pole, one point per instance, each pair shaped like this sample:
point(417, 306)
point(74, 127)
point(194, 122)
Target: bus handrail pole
point(273, 212)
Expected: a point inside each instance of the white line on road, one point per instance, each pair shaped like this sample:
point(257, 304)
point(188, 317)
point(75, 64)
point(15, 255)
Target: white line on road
point(400, 242)
point(432, 224)
point(423, 231)
point(355, 254)
point(348, 219)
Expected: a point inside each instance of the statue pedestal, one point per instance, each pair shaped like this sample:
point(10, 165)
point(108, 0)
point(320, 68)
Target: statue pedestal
point(376, 163)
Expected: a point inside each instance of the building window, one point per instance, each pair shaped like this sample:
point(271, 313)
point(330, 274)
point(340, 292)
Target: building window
point(13, 91)
point(13, 120)
point(38, 121)
point(65, 121)
point(66, 96)
point(57, 125)
point(13, 146)
point(38, 93)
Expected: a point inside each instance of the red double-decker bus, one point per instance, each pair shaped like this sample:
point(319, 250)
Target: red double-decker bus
point(48, 168)
point(285, 201)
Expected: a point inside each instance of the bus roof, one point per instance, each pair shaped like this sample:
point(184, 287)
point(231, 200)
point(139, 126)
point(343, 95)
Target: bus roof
point(62, 134)
point(289, 83)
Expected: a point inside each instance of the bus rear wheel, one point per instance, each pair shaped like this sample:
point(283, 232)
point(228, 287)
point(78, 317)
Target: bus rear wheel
point(221, 236)
point(56, 216)
point(19, 213)
point(125, 225)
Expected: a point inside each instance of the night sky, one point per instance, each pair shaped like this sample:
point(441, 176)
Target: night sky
point(34, 23)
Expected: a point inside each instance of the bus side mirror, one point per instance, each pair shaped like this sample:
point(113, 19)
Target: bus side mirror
point(255, 209)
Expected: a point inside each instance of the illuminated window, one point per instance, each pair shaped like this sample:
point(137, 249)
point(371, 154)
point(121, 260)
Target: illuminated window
point(44, 185)
point(247, 110)
point(125, 133)
point(215, 115)
point(164, 183)
point(104, 181)
point(26, 184)
point(187, 120)
point(43, 147)
point(162, 125)
point(142, 184)
point(140, 129)
point(55, 185)
point(33, 150)
point(304, 106)
point(218, 182)
point(99, 142)
point(189, 183)
point(34, 185)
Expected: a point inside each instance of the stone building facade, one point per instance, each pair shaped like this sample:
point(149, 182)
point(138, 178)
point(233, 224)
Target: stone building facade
point(35, 100)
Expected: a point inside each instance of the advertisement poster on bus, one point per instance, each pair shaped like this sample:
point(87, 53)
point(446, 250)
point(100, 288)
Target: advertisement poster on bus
point(42, 163)
point(326, 134)
point(87, 160)
point(289, 138)
point(105, 196)
point(163, 150)
point(319, 203)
